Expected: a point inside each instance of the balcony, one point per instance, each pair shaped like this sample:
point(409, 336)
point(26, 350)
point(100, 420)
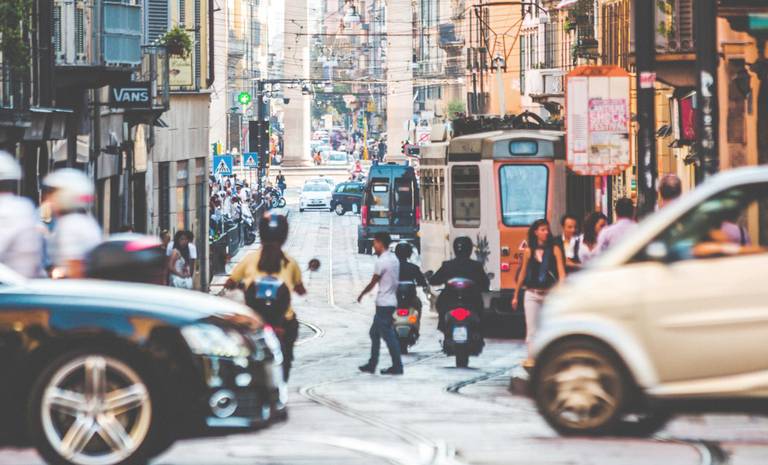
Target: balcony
point(85, 59)
point(545, 84)
point(675, 46)
point(236, 44)
point(448, 37)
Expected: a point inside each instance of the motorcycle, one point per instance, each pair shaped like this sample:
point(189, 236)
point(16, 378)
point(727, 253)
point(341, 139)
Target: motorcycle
point(273, 197)
point(461, 321)
point(250, 225)
point(408, 315)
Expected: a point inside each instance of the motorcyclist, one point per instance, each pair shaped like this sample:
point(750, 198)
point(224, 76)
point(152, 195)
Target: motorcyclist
point(460, 267)
point(75, 232)
point(409, 273)
point(270, 260)
point(21, 240)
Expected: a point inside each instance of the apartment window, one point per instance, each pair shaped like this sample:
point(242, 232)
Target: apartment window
point(255, 34)
point(79, 30)
point(57, 29)
point(182, 12)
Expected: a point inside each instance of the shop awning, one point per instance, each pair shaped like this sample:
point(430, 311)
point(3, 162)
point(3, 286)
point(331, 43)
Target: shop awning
point(566, 3)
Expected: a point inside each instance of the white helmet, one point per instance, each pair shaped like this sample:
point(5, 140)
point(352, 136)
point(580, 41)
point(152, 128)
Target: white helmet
point(10, 170)
point(72, 189)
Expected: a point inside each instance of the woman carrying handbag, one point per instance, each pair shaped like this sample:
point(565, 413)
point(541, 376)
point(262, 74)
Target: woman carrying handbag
point(178, 264)
point(543, 266)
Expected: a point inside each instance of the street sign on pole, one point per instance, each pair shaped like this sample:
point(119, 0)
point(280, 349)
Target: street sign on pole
point(251, 160)
point(222, 165)
point(597, 109)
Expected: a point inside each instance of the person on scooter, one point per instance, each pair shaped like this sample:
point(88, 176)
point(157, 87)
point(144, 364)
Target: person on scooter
point(409, 273)
point(460, 267)
point(270, 260)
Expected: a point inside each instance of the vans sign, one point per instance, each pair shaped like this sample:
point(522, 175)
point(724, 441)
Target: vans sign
point(133, 95)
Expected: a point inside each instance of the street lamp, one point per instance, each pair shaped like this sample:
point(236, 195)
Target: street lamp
point(350, 17)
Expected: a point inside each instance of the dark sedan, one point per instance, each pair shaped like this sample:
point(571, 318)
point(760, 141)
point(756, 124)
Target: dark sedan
point(347, 197)
point(95, 372)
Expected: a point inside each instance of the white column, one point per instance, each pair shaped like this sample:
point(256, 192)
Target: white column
point(399, 74)
point(296, 116)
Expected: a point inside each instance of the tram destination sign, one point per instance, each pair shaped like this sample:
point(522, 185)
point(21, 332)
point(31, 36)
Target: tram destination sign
point(597, 120)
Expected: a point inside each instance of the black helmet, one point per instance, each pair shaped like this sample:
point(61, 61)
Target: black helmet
point(462, 247)
point(403, 251)
point(273, 227)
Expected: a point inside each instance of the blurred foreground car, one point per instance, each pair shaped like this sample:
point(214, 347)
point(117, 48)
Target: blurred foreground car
point(96, 372)
point(673, 318)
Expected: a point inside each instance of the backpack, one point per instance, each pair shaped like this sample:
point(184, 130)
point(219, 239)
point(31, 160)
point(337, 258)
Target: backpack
point(270, 298)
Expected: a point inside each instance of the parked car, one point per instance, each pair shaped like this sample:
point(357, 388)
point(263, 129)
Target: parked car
point(390, 204)
point(347, 197)
point(108, 373)
point(673, 317)
point(315, 195)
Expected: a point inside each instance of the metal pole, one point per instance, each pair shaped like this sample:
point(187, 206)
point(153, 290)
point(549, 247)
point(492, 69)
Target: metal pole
point(260, 118)
point(705, 38)
point(647, 169)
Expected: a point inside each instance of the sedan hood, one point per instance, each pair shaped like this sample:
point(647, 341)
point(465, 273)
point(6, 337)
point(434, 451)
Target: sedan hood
point(321, 195)
point(158, 301)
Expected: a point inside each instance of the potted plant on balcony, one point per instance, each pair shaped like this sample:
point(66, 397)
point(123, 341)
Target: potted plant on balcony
point(177, 42)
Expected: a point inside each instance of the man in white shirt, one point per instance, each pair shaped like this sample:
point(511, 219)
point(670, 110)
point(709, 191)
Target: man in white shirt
point(386, 276)
point(76, 231)
point(624, 224)
point(21, 241)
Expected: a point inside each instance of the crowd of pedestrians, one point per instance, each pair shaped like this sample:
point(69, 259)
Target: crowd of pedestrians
point(230, 201)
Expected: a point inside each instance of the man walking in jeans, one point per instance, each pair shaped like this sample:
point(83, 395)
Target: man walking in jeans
point(386, 276)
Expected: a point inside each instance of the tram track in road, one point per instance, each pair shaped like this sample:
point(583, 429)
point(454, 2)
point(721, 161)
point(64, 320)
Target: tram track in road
point(426, 451)
point(710, 452)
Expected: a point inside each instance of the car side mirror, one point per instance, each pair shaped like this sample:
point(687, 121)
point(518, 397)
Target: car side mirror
point(314, 264)
point(657, 251)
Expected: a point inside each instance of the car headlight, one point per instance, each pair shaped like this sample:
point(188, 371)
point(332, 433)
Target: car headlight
point(207, 339)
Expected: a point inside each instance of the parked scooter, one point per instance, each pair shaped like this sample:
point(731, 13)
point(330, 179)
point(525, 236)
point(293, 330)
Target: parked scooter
point(408, 315)
point(461, 321)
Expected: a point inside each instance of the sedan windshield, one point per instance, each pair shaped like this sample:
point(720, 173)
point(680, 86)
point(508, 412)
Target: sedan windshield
point(317, 187)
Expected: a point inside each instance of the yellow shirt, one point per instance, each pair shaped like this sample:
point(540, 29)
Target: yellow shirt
point(247, 271)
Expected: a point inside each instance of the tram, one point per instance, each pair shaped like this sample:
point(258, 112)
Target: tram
point(490, 183)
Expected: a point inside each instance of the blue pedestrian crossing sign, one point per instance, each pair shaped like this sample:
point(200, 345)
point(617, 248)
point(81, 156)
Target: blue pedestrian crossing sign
point(251, 160)
point(222, 165)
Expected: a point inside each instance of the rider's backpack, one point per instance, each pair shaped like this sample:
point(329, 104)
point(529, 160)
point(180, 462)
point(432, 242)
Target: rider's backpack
point(270, 298)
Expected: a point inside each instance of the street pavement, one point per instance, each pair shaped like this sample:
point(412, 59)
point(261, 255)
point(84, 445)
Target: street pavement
point(435, 414)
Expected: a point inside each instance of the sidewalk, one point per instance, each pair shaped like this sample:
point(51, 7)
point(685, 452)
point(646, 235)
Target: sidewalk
point(218, 280)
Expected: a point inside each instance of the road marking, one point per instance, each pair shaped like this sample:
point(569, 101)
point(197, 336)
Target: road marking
point(318, 333)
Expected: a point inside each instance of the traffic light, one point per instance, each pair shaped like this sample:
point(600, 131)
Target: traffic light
point(258, 140)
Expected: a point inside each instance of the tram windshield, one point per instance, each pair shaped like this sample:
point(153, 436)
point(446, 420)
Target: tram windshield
point(523, 193)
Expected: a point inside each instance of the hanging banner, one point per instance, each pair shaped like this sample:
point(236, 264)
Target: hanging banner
point(597, 120)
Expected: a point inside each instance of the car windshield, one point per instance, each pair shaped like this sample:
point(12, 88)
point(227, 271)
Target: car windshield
point(317, 187)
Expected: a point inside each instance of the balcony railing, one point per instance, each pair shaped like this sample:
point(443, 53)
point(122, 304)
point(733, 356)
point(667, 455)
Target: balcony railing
point(544, 82)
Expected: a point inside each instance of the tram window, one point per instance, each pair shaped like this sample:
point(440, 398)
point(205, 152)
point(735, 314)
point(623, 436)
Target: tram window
point(465, 204)
point(523, 193)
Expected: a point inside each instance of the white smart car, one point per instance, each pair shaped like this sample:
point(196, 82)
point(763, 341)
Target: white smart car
point(674, 316)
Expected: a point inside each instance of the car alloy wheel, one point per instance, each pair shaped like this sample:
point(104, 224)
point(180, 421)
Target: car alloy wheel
point(95, 410)
point(580, 390)
point(339, 209)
